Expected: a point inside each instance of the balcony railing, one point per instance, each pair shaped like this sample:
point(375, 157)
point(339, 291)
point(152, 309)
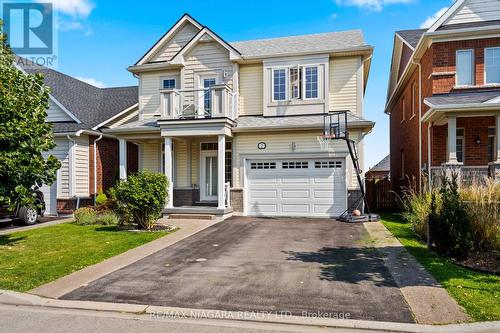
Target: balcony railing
point(216, 101)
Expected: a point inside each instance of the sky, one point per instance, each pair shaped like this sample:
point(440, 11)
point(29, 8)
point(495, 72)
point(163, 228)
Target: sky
point(99, 39)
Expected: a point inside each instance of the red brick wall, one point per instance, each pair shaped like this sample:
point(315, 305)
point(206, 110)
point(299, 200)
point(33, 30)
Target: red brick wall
point(444, 60)
point(474, 154)
point(107, 163)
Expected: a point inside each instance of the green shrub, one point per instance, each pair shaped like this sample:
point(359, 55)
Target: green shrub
point(107, 218)
point(101, 199)
point(450, 227)
point(85, 216)
point(140, 198)
point(417, 208)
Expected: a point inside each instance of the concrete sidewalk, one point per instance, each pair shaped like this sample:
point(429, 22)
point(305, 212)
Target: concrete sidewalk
point(233, 318)
point(68, 283)
point(428, 300)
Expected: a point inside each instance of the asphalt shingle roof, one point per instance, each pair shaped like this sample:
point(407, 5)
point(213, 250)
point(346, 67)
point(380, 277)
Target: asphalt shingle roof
point(91, 105)
point(383, 165)
point(322, 42)
point(468, 25)
point(463, 98)
point(411, 36)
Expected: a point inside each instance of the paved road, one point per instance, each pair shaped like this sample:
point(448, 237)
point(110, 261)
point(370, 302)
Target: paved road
point(30, 319)
point(298, 266)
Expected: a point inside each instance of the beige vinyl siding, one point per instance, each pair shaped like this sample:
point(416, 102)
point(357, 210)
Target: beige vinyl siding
point(206, 58)
point(195, 161)
point(251, 89)
point(81, 151)
point(55, 113)
point(150, 156)
point(344, 83)
point(279, 143)
point(476, 11)
point(149, 93)
point(125, 119)
point(181, 164)
point(61, 152)
point(181, 38)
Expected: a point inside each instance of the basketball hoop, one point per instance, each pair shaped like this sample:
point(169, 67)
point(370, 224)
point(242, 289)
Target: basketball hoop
point(324, 141)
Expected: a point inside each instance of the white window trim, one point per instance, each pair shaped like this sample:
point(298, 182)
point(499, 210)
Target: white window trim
point(484, 74)
point(403, 110)
point(164, 78)
point(473, 68)
point(287, 84)
point(304, 82)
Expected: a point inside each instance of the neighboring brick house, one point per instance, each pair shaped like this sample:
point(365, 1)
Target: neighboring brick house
point(77, 112)
point(444, 96)
point(381, 170)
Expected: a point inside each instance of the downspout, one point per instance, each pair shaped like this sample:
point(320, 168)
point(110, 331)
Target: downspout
point(419, 124)
point(72, 171)
point(95, 168)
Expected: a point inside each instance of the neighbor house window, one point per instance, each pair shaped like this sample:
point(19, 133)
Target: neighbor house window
point(403, 109)
point(311, 82)
point(465, 67)
point(402, 164)
point(279, 84)
point(460, 144)
point(491, 144)
point(492, 65)
point(168, 83)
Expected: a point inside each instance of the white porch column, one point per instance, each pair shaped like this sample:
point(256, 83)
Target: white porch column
point(123, 158)
point(221, 167)
point(169, 171)
point(497, 155)
point(452, 141)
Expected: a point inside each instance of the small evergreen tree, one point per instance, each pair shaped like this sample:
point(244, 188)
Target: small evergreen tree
point(24, 134)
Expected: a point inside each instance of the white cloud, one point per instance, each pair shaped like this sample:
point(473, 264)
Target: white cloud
point(92, 81)
point(375, 5)
point(429, 21)
point(81, 8)
point(69, 25)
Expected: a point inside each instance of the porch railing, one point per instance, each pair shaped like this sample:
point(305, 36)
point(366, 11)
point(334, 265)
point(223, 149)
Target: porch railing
point(216, 101)
point(468, 175)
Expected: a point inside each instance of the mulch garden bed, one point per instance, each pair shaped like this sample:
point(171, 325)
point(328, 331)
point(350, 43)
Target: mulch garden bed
point(488, 262)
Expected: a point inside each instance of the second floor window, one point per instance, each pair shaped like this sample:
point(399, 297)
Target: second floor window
point(279, 84)
point(311, 82)
point(465, 68)
point(492, 65)
point(168, 83)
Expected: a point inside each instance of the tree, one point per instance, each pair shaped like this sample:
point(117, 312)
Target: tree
point(24, 134)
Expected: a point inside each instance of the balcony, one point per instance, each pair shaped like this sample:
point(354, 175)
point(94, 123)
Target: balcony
point(217, 101)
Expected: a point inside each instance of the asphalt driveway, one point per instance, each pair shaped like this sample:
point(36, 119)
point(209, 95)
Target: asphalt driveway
point(300, 266)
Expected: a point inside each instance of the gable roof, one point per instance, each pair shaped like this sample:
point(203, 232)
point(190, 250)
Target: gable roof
point(91, 105)
point(382, 165)
point(411, 37)
point(313, 43)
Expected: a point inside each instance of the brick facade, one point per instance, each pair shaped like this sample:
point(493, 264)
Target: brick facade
point(438, 66)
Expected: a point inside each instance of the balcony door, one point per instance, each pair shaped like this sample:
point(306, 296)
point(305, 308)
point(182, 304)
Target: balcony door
point(206, 82)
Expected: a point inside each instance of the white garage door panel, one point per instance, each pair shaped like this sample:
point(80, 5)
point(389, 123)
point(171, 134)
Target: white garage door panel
point(306, 191)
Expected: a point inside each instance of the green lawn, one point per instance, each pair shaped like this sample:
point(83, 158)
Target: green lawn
point(31, 258)
point(478, 293)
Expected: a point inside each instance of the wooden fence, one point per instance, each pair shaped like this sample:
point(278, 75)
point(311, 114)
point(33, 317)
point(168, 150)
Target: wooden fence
point(379, 195)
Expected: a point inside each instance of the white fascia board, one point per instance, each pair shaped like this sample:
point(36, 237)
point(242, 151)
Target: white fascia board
point(494, 100)
point(53, 99)
point(446, 15)
point(116, 116)
point(167, 36)
point(233, 53)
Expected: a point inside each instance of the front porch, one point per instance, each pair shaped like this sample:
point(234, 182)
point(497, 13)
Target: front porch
point(199, 169)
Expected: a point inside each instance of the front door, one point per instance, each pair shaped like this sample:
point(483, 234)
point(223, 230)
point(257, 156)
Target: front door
point(208, 190)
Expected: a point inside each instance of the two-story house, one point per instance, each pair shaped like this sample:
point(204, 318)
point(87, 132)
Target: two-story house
point(237, 125)
point(444, 96)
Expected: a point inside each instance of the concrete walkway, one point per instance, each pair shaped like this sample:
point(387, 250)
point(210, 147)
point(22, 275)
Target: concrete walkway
point(428, 300)
point(12, 229)
point(68, 283)
point(269, 321)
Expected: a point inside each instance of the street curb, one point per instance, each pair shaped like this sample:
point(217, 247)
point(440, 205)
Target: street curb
point(163, 312)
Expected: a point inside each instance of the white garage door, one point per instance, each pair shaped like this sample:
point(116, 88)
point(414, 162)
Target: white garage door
point(296, 187)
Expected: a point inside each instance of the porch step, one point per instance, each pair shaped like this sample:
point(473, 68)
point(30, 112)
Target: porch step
point(191, 216)
point(196, 210)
